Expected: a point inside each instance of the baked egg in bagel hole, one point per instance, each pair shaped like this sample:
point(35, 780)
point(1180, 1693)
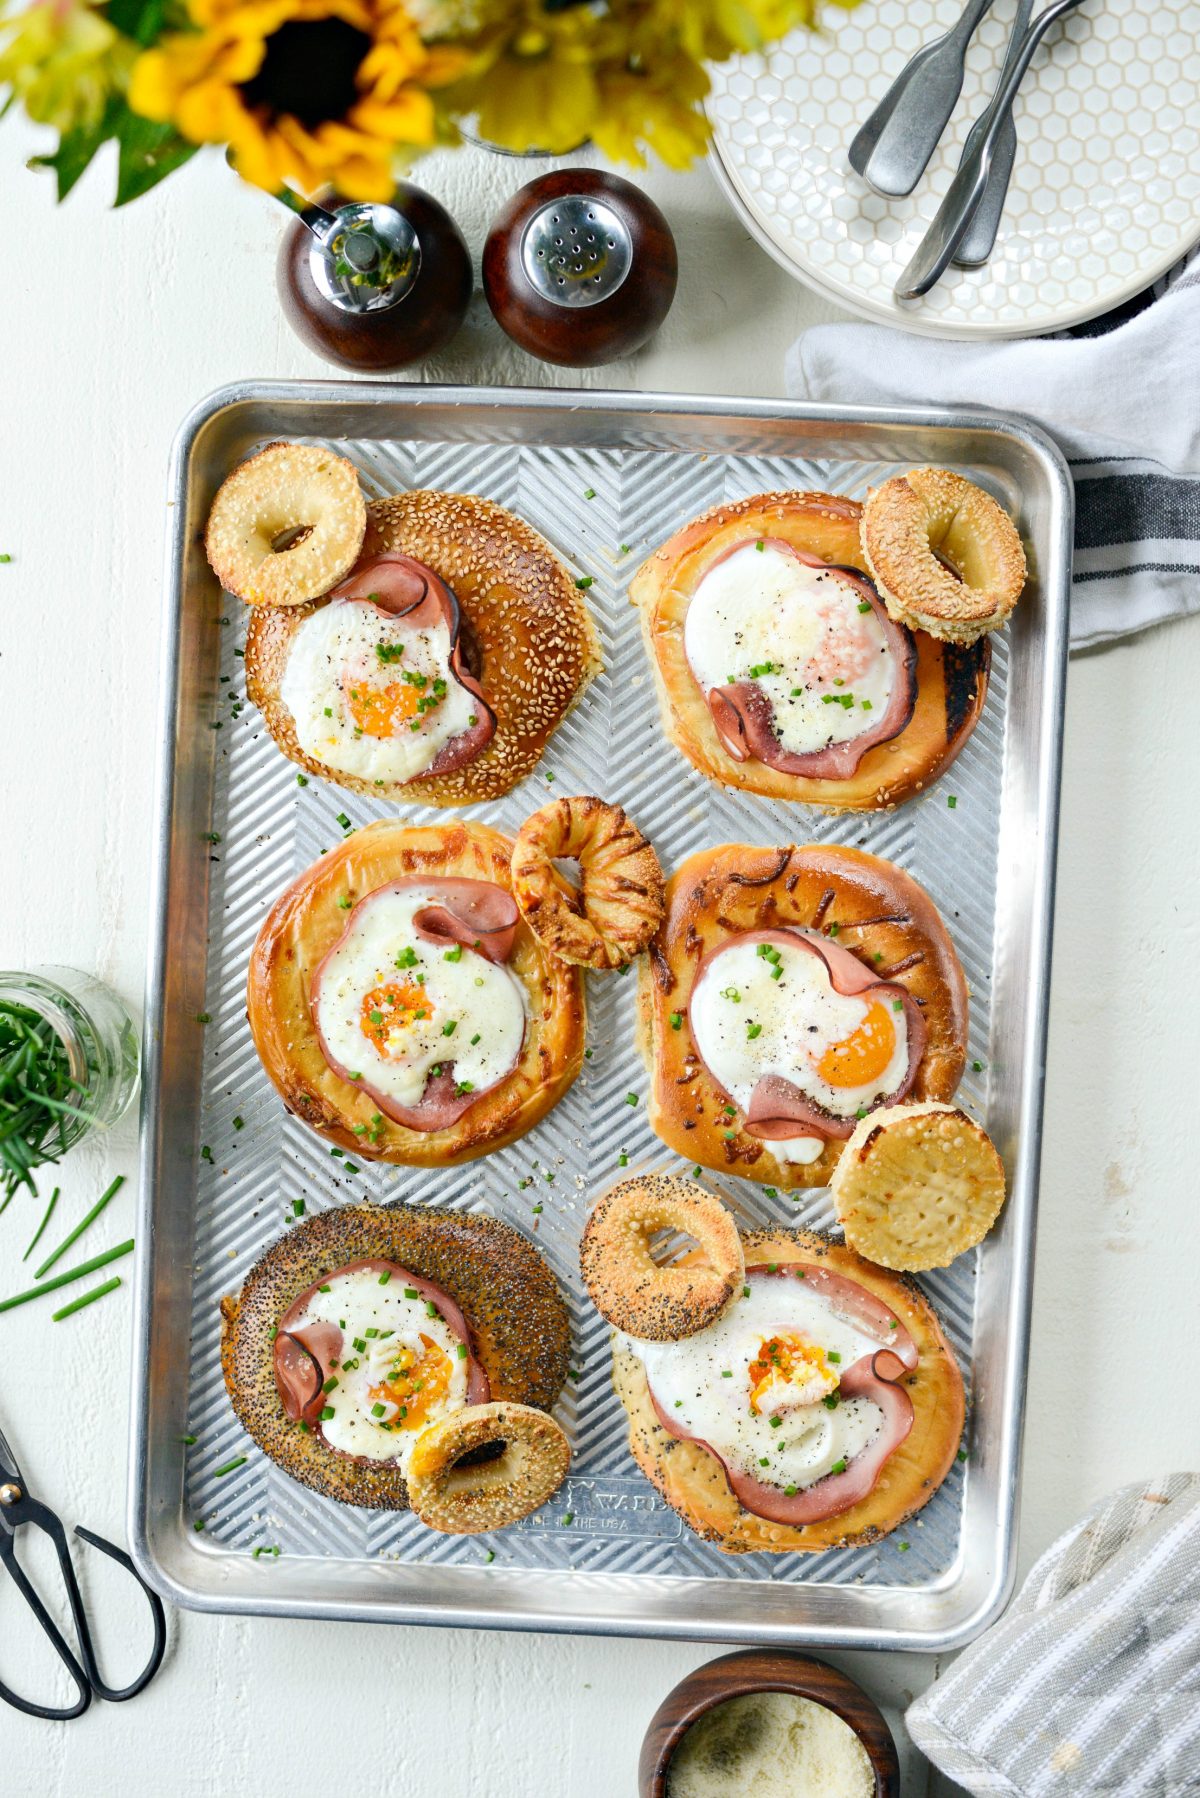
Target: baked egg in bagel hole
point(370, 1355)
point(802, 1037)
point(794, 1389)
point(800, 664)
point(414, 1002)
point(376, 680)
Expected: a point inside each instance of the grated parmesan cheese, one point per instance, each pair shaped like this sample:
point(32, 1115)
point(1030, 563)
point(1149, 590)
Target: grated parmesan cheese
point(770, 1745)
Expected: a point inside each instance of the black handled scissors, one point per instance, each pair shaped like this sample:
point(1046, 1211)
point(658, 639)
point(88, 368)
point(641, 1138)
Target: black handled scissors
point(17, 1509)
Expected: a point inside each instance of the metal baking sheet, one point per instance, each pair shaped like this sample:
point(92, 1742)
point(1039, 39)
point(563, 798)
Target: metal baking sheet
point(606, 477)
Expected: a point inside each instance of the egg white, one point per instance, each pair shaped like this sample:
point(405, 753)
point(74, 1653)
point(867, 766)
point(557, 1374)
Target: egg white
point(334, 652)
point(799, 1016)
point(383, 1319)
point(482, 1000)
point(831, 670)
point(702, 1384)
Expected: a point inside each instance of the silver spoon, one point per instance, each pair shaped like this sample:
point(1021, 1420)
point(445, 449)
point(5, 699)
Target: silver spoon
point(949, 226)
point(890, 151)
point(979, 238)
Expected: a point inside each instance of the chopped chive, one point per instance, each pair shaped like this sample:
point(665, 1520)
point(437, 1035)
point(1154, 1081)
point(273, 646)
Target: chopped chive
point(770, 1192)
point(961, 1455)
point(239, 1123)
point(454, 954)
point(87, 1298)
point(385, 1276)
point(79, 1229)
point(676, 1020)
point(568, 1517)
point(376, 1411)
point(775, 1422)
point(622, 1159)
point(450, 1027)
point(42, 1225)
point(760, 544)
point(302, 780)
point(489, 1557)
point(727, 1373)
point(583, 582)
point(951, 801)
point(789, 1491)
point(864, 605)
point(833, 1355)
point(351, 1167)
point(462, 1351)
point(205, 1153)
point(204, 1017)
point(343, 820)
point(189, 1439)
point(199, 1524)
point(410, 1292)
point(838, 1466)
point(903, 1547)
point(764, 1460)
point(589, 493)
point(631, 1098)
point(753, 1030)
point(220, 1472)
point(265, 1549)
point(297, 1207)
point(977, 1067)
point(345, 902)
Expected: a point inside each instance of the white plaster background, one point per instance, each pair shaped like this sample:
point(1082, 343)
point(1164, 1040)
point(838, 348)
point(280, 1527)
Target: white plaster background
point(112, 326)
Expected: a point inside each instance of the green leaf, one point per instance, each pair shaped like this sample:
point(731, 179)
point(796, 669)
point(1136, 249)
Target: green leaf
point(147, 152)
point(76, 149)
point(142, 20)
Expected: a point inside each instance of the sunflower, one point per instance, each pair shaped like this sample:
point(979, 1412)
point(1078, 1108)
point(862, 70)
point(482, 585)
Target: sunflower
point(532, 77)
point(311, 93)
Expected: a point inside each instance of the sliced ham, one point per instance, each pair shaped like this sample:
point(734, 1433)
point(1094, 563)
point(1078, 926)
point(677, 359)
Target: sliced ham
point(875, 1377)
point(474, 913)
point(742, 715)
point(400, 587)
point(779, 1110)
point(304, 1356)
point(850, 1300)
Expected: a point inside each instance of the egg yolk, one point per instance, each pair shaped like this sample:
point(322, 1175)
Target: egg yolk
point(386, 1008)
point(415, 1382)
point(789, 1361)
point(862, 1056)
point(383, 711)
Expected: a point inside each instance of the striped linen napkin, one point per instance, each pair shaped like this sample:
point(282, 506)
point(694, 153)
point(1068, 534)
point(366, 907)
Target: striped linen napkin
point(1089, 1686)
point(1121, 399)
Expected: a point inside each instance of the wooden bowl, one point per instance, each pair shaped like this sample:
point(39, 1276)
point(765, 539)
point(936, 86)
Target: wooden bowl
point(765, 1670)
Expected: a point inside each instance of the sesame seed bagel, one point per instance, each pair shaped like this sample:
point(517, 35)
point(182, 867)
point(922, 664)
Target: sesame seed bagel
point(462, 1500)
point(527, 637)
point(520, 1332)
point(619, 902)
point(286, 525)
point(631, 1289)
point(944, 555)
point(918, 1186)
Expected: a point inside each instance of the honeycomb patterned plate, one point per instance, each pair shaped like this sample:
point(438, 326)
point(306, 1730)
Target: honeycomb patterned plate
point(1105, 194)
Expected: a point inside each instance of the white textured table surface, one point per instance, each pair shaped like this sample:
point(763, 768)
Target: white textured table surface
point(113, 325)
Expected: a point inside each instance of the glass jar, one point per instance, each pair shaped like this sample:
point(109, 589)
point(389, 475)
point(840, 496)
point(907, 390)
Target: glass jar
point(97, 1033)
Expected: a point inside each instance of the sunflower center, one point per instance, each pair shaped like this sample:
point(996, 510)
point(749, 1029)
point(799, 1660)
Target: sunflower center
point(309, 71)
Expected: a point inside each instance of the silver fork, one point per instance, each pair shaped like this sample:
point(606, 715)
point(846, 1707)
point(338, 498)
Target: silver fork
point(949, 227)
point(980, 236)
point(890, 151)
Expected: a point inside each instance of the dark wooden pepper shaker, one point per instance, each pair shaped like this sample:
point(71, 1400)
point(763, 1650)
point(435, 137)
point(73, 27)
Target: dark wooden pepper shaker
point(580, 267)
point(370, 286)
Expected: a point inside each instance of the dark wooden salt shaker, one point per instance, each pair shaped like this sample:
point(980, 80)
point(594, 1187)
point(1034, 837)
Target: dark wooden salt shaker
point(373, 286)
point(580, 268)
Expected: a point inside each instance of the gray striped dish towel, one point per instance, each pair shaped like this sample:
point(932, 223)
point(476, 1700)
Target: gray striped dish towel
point(1089, 1686)
point(1123, 404)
